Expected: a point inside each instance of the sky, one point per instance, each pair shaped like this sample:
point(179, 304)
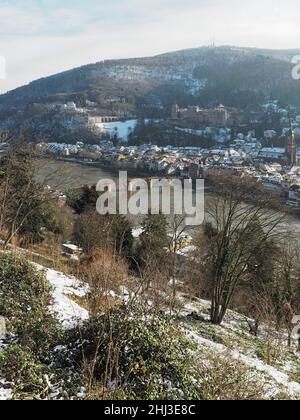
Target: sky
point(43, 37)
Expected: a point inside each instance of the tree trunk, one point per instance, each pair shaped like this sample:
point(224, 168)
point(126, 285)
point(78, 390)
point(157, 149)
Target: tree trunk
point(217, 314)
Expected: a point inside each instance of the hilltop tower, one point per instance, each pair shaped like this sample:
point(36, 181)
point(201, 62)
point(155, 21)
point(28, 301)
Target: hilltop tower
point(291, 147)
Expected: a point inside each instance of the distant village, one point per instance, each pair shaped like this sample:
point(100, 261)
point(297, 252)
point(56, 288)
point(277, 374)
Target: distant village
point(232, 152)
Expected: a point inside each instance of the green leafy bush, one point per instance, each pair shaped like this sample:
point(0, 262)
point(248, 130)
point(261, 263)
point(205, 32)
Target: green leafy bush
point(24, 302)
point(28, 360)
point(136, 354)
point(24, 370)
point(32, 379)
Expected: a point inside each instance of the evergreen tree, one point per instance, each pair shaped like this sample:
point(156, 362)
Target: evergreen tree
point(25, 208)
point(153, 241)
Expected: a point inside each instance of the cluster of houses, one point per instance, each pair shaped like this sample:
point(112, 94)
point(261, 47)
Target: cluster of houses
point(244, 155)
point(78, 150)
point(182, 161)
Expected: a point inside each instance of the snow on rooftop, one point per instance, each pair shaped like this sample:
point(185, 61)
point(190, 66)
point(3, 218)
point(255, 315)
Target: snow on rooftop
point(273, 150)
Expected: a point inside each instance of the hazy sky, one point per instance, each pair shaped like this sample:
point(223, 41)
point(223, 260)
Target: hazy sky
point(42, 37)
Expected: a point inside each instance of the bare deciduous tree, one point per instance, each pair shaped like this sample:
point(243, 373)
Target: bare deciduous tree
point(239, 222)
point(105, 273)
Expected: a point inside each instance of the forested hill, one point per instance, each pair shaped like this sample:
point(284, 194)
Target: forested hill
point(229, 75)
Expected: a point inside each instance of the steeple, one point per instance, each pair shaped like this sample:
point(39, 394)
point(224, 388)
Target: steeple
point(175, 111)
point(291, 147)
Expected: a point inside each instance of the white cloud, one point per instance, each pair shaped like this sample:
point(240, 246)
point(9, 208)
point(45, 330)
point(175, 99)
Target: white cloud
point(18, 21)
point(35, 21)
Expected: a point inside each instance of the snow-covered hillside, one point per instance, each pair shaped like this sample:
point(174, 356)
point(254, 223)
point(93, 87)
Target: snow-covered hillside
point(279, 374)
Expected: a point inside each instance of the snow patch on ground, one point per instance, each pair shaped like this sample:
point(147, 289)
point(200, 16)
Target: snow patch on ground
point(5, 392)
point(68, 311)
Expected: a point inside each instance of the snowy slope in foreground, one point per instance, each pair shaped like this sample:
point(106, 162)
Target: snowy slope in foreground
point(280, 380)
point(63, 287)
point(233, 340)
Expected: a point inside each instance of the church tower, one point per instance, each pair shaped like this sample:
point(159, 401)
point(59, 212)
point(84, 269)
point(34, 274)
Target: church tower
point(175, 111)
point(291, 147)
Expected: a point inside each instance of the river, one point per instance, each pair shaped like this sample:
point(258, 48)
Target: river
point(65, 175)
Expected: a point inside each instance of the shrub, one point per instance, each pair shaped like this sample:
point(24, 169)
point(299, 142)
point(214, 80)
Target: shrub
point(222, 378)
point(32, 379)
point(93, 231)
point(24, 371)
point(83, 199)
point(24, 301)
point(28, 361)
point(135, 354)
point(103, 272)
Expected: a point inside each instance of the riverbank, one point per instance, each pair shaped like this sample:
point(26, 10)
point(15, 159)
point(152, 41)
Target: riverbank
point(110, 167)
